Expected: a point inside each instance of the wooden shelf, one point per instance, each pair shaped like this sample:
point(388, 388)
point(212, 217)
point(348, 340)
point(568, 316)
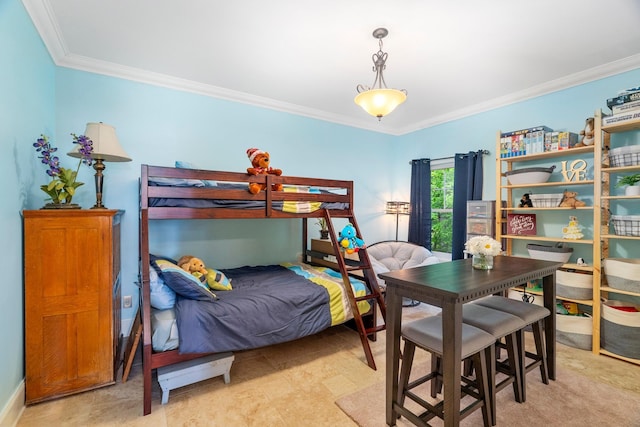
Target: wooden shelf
point(589, 216)
point(549, 154)
point(546, 239)
point(549, 184)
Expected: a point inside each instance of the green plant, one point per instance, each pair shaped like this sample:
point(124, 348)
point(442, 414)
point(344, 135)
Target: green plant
point(629, 180)
point(322, 223)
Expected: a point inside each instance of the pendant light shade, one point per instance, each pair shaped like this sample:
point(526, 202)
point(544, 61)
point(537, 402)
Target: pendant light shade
point(378, 100)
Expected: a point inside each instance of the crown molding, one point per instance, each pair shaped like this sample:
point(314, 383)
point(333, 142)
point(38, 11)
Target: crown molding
point(42, 16)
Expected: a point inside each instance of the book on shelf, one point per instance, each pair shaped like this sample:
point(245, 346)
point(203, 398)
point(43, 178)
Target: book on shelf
point(621, 99)
point(629, 90)
point(521, 144)
point(627, 106)
point(527, 130)
point(621, 118)
point(521, 224)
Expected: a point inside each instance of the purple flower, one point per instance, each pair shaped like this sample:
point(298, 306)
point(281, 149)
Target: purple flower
point(63, 182)
point(86, 148)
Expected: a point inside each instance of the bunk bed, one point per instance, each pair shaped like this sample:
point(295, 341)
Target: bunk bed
point(177, 193)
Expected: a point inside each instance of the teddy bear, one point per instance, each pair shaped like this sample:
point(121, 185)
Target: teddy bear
point(349, 241)
point(260, 166)
point(586, 135)
point(569, 200)
point(191, 264)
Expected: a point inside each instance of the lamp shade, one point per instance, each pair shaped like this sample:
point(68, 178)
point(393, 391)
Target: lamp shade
point(397, 208)
point(380, 102)
point(106, 146)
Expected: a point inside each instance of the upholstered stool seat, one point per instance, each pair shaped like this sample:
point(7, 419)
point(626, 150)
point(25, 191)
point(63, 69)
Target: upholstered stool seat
point(500, 325)
point(427, 334)
point(532, 315)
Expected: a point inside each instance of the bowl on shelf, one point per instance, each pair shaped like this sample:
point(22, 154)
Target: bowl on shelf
point(559, 252)
point(529, 175)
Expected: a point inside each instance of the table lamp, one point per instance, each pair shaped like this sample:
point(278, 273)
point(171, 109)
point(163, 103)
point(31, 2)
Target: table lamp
point(106, 148)
point(397, 209)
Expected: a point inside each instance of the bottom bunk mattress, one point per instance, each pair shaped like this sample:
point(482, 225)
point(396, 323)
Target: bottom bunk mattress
point(266, 305)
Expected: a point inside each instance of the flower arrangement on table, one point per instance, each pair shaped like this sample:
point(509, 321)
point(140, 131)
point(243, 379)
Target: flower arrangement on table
point(63, 183)
point(483, 249)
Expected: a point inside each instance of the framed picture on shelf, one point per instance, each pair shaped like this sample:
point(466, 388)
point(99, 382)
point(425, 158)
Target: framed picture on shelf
point(521, 224)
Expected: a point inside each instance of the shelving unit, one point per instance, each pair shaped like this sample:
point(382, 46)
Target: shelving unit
point(610, 203)
point(508, 196)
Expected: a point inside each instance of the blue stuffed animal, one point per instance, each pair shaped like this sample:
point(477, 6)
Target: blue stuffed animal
point(349, 241)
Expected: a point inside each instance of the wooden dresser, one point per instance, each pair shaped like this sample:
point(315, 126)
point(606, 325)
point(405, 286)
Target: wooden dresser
point(72, 301)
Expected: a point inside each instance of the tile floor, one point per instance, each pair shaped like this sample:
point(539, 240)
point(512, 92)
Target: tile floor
point(291, 384)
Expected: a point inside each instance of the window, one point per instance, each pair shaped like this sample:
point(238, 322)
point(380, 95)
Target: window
point(441, 205)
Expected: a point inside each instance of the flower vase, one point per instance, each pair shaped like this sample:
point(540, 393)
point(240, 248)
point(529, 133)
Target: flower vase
point(324, 234)
point(482, 262)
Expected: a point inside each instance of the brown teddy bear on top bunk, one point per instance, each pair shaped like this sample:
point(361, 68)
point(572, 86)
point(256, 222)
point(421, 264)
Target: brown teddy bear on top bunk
point(260, 161)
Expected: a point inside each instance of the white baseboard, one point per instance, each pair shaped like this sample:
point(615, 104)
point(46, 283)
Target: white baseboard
point(11, 412)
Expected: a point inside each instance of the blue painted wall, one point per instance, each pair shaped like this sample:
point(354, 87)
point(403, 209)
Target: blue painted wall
point(27, 108)
point(158, 126)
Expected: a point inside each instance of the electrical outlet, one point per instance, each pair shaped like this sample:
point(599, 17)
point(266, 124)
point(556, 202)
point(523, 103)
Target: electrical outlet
point(126, 301)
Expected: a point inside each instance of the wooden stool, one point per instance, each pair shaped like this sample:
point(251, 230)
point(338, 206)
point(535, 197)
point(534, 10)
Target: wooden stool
point(533, 315)
point(427, 334)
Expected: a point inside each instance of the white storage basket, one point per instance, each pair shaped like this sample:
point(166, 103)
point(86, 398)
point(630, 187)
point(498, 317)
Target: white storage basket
point(574, 331)
point(574, 285)
point(625, 156)
point(546, 200)
point(626, 225)
point(620, 330)
point(622, 273)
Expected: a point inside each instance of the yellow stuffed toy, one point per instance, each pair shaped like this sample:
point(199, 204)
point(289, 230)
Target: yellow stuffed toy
point(215, 280)
point(260, 161)
point(191, 264)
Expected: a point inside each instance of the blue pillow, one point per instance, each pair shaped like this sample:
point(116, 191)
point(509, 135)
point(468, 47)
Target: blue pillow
point(162, 296)
point(183, 283)
point(188, 165)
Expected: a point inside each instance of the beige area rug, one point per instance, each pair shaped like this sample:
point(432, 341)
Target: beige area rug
point(571, 400)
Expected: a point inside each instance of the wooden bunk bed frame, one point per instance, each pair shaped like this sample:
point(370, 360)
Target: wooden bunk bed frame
point(362, 267)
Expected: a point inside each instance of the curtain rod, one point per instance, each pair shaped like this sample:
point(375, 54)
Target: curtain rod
point(483, 152)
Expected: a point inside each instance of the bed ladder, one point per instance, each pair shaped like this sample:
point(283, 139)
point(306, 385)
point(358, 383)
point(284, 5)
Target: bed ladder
point(375, 297)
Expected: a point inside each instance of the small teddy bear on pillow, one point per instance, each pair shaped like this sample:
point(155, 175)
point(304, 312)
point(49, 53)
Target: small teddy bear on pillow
point(191, 264)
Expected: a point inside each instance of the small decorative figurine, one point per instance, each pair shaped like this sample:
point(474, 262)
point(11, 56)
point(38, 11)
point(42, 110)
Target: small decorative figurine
point(572, 231)
point(525, 202)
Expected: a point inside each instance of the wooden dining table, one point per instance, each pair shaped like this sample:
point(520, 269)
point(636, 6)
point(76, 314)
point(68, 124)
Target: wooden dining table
point(449, 285)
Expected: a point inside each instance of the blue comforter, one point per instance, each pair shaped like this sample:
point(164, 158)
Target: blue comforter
point(268, 305)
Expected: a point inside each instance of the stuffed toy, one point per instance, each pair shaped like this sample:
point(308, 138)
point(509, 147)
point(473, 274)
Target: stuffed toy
point(586, 135)
point(349, 241)
point(569, 200)
point(525, 202)
point(191, 264)
point(260, 166)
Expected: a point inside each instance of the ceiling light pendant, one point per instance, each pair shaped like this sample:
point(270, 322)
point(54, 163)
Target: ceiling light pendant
point(378, 100)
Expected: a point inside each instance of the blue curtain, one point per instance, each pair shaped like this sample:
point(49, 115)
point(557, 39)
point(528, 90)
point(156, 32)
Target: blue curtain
point(467, 185)
point(420, 215)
